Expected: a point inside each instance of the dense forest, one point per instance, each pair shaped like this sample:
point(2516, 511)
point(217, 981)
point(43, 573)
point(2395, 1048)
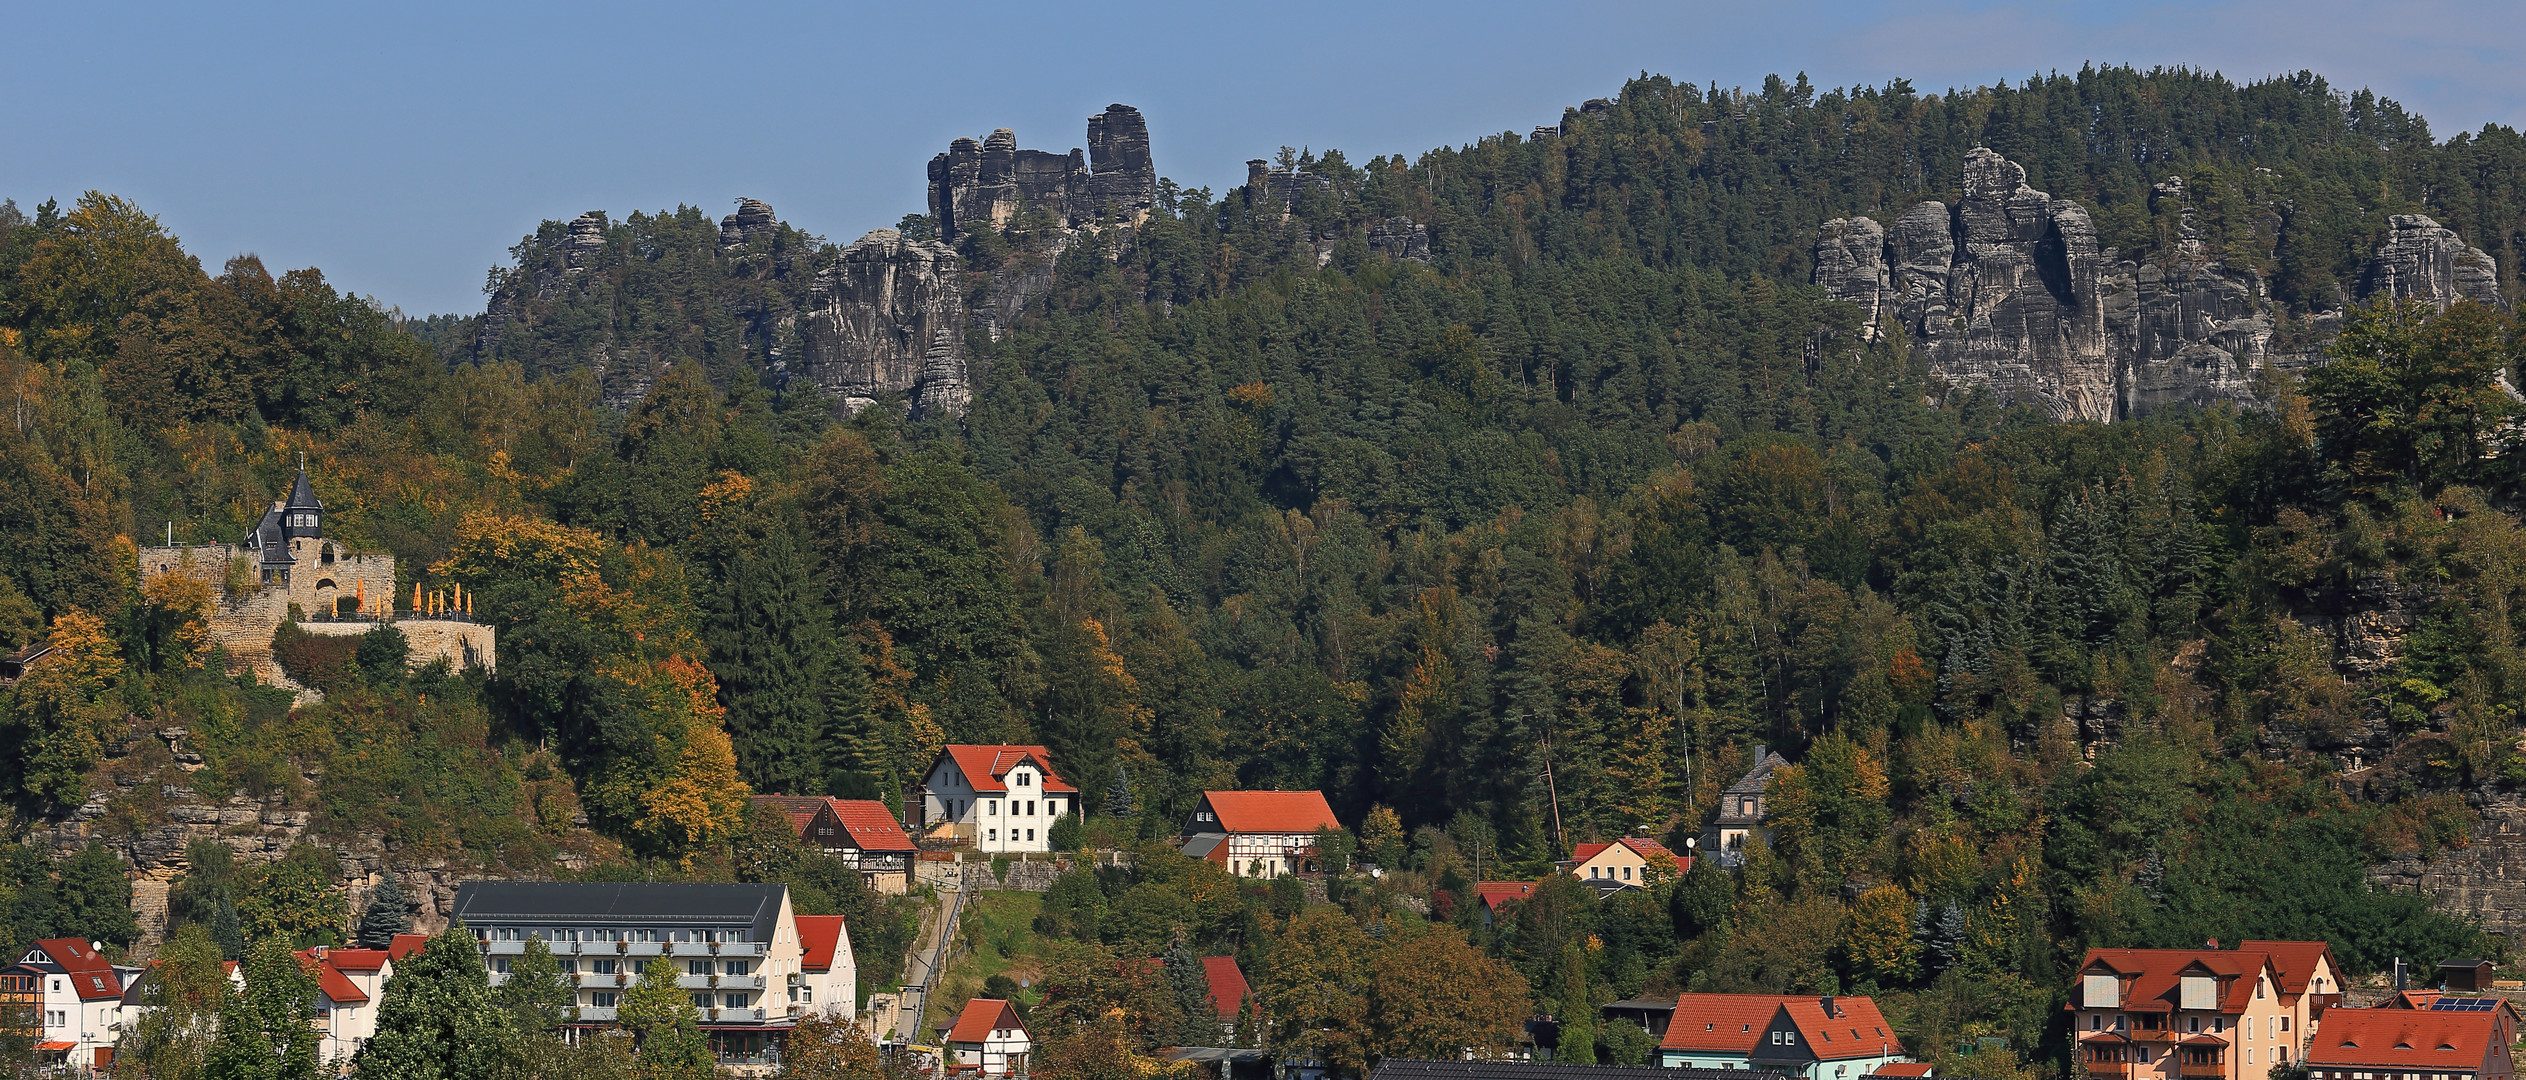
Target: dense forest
point(1528, 546)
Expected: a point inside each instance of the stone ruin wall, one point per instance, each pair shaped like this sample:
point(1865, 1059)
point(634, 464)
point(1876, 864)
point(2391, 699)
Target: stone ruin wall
point(242, 621)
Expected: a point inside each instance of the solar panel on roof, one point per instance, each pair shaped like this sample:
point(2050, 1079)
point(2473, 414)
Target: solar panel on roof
point(2446, 1004)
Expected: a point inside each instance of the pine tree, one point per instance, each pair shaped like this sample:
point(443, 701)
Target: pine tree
point(265, 1031)
point(1576, 1007)
point(388, 914)
point(437, 1021)
point(770, 648)
point(1118, 793)
point(1189, 985)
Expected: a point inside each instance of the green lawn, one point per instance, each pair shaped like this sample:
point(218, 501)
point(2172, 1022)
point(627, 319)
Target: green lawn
point(996, 936)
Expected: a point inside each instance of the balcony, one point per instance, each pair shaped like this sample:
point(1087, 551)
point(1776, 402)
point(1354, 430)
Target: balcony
point(637, 949)
point(2208, 1071)
point(732, 1016)
point(719, 982)
point(590, 1014)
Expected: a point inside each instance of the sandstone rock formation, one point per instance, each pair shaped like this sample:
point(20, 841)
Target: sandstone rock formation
point(2425, 260)
point(2008, 291)
point(1400, 238)
point(988, 184)
point(878, 314)
point(753, 219)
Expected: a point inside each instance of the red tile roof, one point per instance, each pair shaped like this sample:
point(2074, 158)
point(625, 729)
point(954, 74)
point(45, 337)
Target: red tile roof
point(2150, 975)
point(1227, 984)
point(1271, 811)
point(819, 937)
point(1855, 1030)
point(1725, 1023)
point(93, 976)
point(2295, 962)
point(1492, 894)
point(983, 766)
point(1904, 1068)
point(801, 809)
point(981, 1017)
point(407, 944)
point(873, 827)
point(330, 981)
point(360, 960)
point(2404, 1039)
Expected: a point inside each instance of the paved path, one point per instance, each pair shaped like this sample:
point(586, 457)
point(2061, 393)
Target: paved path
point(920, 970)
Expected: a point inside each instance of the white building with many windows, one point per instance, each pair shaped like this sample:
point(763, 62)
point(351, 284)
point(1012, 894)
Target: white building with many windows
point(737, 950)
point(995, 798)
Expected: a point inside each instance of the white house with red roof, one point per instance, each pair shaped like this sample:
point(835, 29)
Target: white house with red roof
point(2410, 1044)
point(996, 798)
point(349, 985)
point(987, 1038)
point(1259, 833)
point(75, 996)
point(1819, 1038)
point(828, 976)
point(1622, 864)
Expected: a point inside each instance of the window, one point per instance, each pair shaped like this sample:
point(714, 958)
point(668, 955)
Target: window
point(1030, 836)
point(697, 967)
point(604, 967)
point(1626, 873)
point(806, 995)
point(736, 967)
point(733, 1001)
point(991, 808)
point(500, 964)
point(702, 1001)
point(603, 999)
point(1776, 1038)
point(1030, 807)
point(2284, 1023)
point(569, 966)
point(991, 834)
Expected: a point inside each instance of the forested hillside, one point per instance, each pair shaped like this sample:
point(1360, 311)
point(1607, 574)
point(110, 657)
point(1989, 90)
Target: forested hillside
point(1528, 546)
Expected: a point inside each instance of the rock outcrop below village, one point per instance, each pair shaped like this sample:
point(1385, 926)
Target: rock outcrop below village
point(2009, 291)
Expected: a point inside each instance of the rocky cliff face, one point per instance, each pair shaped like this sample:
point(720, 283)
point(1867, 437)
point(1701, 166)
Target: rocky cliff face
point(2008, 291)
point(879, 319)
point(991, 183)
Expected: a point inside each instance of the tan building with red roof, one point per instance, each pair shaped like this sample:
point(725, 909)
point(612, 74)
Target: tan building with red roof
point(828, 976)
point(995, 798)
point(1621, 864)
point(861, 832)
point(1259, 833)
point(349, 985)
point(2410, 1044)
point(988, 1039)
point(1818, 1038)
point(2203, 1014)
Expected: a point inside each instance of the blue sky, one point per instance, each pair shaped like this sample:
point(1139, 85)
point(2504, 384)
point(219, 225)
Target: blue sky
point(404, 150)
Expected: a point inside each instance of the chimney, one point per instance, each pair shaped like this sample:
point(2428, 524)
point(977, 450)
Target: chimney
point(1829, 1010)
point(2211, 944)
point(2398, 974)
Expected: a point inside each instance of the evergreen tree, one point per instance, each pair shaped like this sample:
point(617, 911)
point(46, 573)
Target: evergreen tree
point(383, 655)
point(206, 894)
point(1118, 800)
point(265, 1031)
point(437, 1021)
point(388, 914)
point(1576, 1007)
point(771, 649)
point(1188, 985)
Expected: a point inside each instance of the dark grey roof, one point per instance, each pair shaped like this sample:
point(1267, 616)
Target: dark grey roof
point(1202, 844)
point(1414, 1069)
point(622, 903)
point(302, 496)
point(1754, 780)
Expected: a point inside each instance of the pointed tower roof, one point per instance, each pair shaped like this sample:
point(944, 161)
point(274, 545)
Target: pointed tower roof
point(302, 496)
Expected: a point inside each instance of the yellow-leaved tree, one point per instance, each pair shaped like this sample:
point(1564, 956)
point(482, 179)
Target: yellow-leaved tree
point(58, 715)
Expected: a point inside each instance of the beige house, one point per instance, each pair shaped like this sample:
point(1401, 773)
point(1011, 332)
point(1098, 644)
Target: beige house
point(2205, 1014)
point(1621, 864)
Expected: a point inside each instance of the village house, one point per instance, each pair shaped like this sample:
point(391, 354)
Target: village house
point(1622, 864)
point(2504, 1015)
point(828, 977)
point(74, 998)
point(1258, 833)
point(860, 832)
point(987, 1039)
point(1741, 809)
point(999, 799)
point(2211, 1014)
point(737, 950)
point(1827, 1037)
point(349, 985)
point(2411, 1044)
point(1496, 897)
